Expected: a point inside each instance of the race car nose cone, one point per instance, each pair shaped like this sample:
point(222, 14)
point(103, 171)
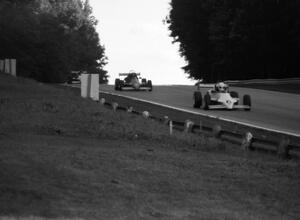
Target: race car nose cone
point(229, 104)
point(136, 85)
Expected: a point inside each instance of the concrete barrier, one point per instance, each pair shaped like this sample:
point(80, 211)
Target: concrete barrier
point(94, 89)
point(6, 66)
point(90, 86)
point(13, 67)
point(85, 85)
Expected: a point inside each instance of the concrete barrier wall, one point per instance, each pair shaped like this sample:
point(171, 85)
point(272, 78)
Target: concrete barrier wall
point(90, 86)
point(6, 66)
point(94, 89)
point(9, 66)
point(13, 70)
point(85, 87)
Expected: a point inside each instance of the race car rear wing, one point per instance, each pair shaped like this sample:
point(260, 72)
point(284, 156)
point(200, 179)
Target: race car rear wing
point(126, 74)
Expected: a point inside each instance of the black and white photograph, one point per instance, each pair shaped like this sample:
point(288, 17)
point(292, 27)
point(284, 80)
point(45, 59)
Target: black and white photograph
point(149, 109)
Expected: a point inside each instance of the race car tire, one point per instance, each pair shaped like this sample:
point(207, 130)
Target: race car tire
point(247, 101)
point(234, 94)
point(197, 99)
point(117, 84)
point(207, 101)
point(121, 84)
point(144, 81)
point(149, 84)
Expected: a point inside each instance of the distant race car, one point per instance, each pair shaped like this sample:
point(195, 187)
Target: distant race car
point(74, 77)
point(219, 97)
point(133, 80)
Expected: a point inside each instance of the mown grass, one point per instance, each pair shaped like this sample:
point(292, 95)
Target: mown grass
point(63, 157)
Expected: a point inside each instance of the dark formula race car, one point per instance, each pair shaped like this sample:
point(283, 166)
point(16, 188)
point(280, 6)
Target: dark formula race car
point(219, 97)
point(74, 77)
point(133, 81)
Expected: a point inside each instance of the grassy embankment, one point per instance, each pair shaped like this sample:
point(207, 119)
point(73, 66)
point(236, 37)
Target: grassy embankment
point(65, 157)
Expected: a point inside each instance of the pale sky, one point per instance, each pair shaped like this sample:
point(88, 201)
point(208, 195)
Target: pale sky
point(135, 38)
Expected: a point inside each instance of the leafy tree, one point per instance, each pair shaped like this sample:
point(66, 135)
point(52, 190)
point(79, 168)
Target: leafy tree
point(50, 38)
point(237, 39)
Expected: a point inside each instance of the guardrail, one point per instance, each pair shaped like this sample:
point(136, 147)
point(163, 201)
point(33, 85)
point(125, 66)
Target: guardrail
point(285, 145)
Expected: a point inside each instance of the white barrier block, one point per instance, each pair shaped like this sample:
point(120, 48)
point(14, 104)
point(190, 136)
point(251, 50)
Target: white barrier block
point(6, 66)
point(85, 85)
point(13, 70)
point(94, 89)
point(1, 65)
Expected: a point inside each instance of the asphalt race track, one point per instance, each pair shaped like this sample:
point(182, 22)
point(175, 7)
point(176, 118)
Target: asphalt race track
point(273, 110)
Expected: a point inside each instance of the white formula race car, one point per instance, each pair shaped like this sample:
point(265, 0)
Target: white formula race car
point(133, 81)
point(219, 97)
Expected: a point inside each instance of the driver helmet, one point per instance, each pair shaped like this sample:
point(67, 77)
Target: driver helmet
point(221, 87)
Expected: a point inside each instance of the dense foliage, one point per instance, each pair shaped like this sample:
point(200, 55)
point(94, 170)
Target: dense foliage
point(50, 38)
point(237, 39)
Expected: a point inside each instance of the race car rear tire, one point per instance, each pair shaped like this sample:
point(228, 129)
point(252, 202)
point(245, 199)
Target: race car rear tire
point(207, 101)
point(149, 84)
point(247, 101)
point(234, 94)
point(197, 99)
point(144, 81)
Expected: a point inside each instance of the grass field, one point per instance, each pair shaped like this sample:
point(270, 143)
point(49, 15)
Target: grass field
point(63, 157)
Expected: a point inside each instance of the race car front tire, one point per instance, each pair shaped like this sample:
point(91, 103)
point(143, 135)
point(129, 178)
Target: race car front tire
point(247, 101)
point(197, 99)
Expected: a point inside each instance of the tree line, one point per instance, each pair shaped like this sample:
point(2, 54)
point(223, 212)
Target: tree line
point(237, 39)
point(51, 38)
